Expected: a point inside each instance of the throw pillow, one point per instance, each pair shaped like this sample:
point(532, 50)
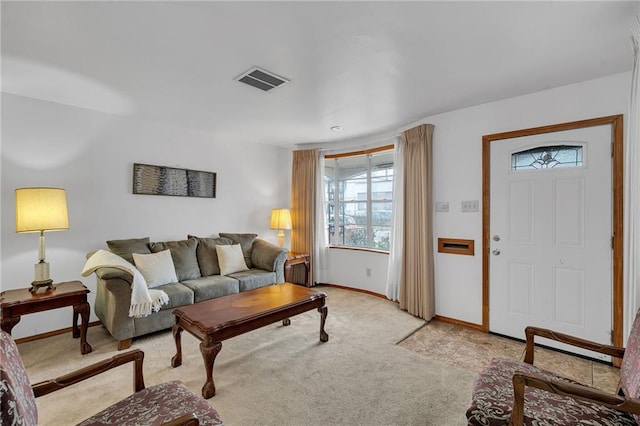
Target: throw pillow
point(231, 259)
point(124, 248)
point(207, 256)
point(156, 268)
point(245, 241)
point(184, 257)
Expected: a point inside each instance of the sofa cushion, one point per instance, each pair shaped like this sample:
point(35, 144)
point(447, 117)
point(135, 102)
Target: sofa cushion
point(156, 268)
point(179, 295)
point(184, 257)
point(125, 248)
point(630, 368)
point(207, 256)
point(246, 243)
point(493, 399)
point(16, 396)
point(206, 288)
point(157, 405)
point(254, 278)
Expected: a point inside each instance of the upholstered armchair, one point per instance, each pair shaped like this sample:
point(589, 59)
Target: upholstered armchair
point(169, 404)
point(511, 392)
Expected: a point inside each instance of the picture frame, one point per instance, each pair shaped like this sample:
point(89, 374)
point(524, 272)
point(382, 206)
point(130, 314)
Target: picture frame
point(150, 179)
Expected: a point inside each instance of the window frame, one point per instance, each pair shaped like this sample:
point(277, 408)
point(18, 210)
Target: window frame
point(369, 201)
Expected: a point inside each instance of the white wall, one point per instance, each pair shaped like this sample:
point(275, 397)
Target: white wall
point(349, 268)
point(458, 177)
point(91, 155)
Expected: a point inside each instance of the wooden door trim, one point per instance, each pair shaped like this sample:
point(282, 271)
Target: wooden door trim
point(617, 177)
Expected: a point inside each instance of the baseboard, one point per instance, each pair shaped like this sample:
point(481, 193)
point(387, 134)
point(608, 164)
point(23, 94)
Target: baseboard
point(460, 323)
point(382, 296)
point(51, 333)
point(359, 290)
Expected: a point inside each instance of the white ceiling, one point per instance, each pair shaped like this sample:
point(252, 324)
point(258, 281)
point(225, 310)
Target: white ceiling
point(370, 67)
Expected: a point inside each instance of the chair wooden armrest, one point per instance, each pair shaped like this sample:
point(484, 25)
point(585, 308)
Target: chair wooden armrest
point(572, 390)
point(530, 332)
point(184, 420)
point(137, 356)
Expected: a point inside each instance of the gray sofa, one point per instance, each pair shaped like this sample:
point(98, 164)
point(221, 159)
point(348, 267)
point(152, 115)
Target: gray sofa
point(196, 264)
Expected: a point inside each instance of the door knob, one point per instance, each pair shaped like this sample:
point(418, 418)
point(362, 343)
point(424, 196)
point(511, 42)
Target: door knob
point(496, 237)
point(496, 252)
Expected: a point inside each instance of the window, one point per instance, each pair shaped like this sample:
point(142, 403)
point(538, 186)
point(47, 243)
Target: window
point(358, 194)
point(547, 157)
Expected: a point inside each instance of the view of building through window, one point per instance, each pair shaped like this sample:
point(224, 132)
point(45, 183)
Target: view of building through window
point(358, 194)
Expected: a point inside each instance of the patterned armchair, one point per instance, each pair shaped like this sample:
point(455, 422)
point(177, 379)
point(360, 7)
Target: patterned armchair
point(510, 392)
point(170, 403)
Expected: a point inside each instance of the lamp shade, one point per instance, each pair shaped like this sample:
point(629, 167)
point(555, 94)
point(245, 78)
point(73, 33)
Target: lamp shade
point(41, 209)
point(280, 219)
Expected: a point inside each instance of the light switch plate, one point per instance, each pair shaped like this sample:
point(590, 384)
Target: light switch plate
point(442, 206)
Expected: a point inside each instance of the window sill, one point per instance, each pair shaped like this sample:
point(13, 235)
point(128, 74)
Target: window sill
point(360, 249)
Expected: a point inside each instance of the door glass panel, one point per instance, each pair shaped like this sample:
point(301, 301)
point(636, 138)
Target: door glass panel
point(547, 157)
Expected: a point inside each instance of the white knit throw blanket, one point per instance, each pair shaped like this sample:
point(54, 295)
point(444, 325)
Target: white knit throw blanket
point(144, 300)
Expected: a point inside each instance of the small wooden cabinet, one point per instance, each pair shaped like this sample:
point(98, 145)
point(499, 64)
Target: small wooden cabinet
point(297, 259)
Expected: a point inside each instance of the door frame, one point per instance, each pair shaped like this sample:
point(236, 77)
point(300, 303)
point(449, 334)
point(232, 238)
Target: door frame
point(617, 241)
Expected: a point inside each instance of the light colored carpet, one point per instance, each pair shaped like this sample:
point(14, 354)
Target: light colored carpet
point(278, 375)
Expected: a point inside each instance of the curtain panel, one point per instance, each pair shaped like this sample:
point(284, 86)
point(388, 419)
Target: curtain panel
point(416, 290)
point(303, 206)
point(394, 274)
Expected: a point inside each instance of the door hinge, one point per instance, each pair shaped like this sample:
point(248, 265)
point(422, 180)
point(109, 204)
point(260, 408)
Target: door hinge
point(612, 241)
point(612, 149)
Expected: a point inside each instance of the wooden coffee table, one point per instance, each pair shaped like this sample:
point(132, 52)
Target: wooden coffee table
point(215, 320)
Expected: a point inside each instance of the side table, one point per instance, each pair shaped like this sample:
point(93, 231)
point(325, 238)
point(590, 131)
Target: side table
point(14, 303)
point(296, 259)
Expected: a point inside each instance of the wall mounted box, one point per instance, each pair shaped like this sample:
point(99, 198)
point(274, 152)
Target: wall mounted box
point(456, 246)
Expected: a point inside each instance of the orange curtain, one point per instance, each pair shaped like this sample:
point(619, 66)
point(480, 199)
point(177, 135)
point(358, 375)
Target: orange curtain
point(417, 295)
point(303, 206)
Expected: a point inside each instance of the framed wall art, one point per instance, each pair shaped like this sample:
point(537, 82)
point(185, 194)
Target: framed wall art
point(161, 180)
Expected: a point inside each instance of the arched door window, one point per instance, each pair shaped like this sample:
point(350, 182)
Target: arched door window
point(547, 157)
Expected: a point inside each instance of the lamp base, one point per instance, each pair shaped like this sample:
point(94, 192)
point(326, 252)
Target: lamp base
point(37, 285)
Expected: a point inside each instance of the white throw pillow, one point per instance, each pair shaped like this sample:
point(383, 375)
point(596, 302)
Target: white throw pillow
point(156, 268)
point(231, 259)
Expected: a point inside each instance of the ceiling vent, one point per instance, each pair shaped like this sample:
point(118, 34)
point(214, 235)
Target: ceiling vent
point(261, 79)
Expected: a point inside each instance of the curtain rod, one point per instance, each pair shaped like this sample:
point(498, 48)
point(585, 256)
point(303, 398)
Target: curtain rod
point(390, 140)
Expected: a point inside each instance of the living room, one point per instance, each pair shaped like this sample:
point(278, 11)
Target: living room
point(67, 124)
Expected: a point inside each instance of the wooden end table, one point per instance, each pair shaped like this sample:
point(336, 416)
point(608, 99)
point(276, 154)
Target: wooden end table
point(214, 320)
point(15, 303)
point(296, 259)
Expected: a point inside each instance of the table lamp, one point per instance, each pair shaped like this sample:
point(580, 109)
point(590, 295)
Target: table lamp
point(40, 210)
point(280, 220)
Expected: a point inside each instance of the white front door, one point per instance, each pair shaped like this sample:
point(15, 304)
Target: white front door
point(550, 235)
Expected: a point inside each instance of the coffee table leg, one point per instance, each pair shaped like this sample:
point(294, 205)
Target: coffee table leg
point(210, 350)
point(324, 337)
point(176, 361)
point(286, 322)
